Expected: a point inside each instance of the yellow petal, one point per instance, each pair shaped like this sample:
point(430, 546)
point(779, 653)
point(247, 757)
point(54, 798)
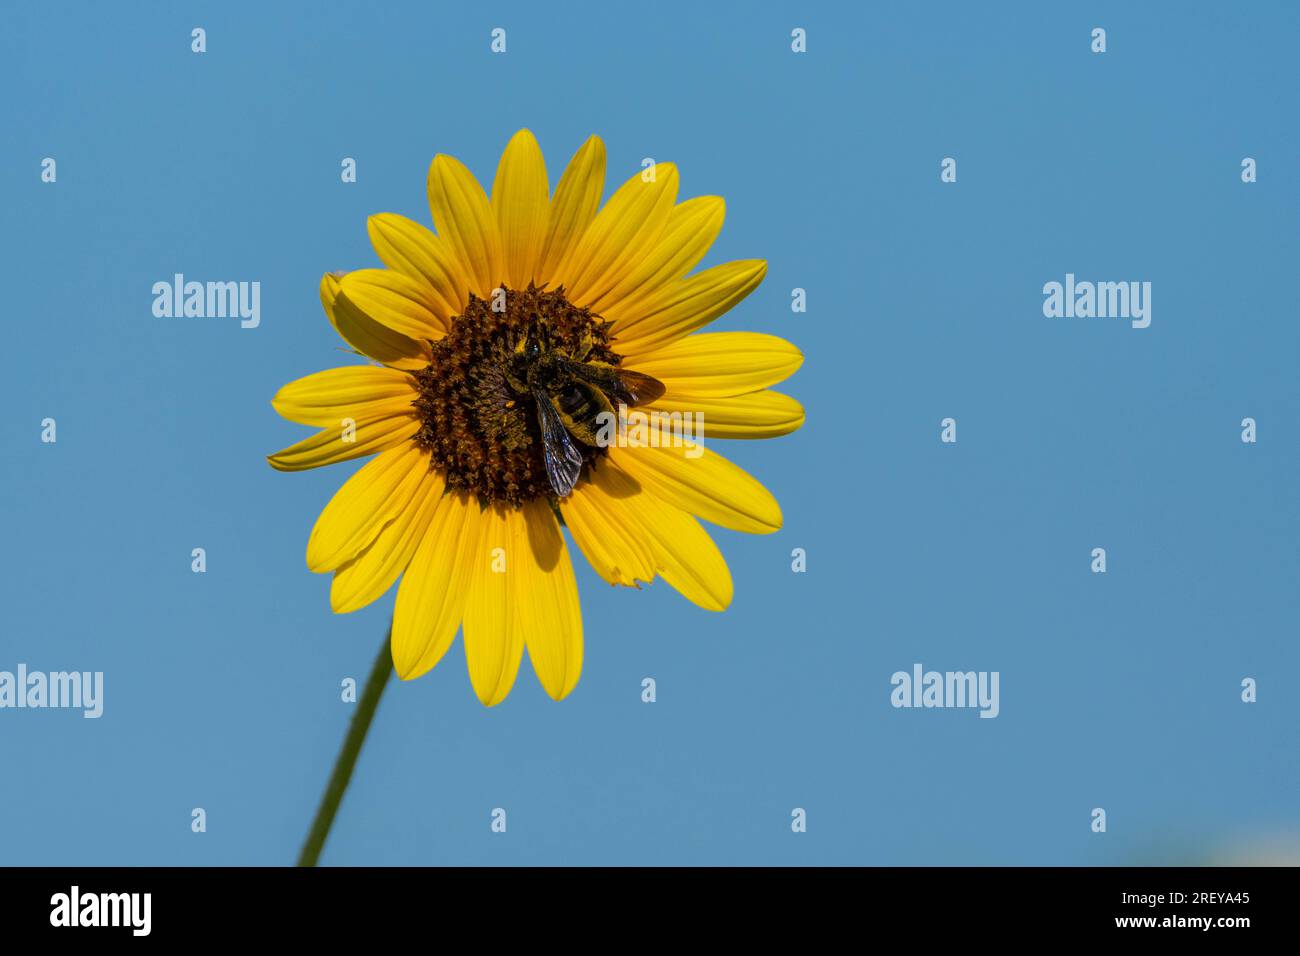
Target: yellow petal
point(764, 414)
point(547, 615)
point(521, 202)
point(720, 364)
point(397, 301)
point(682, 307)
point(354, 391)
point(411, 249)
point(494, 644)
point(690, 561)
point(573, 206)
point(367, 576)
point(463, 217)
point(617, 240)
point(690, 232)
point(369, 500)
point(431, 597)
point(329, 291)
point(597, 516)
point(372, 338)
point(347, 440)
point(708, 486)
point(680, 549)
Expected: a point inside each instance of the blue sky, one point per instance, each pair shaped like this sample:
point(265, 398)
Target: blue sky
point(1119, 691)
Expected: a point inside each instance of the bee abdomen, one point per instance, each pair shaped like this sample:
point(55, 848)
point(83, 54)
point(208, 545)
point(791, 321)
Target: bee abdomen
point(578, 402)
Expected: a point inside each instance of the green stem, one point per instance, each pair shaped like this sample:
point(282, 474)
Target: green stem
point(329, 803)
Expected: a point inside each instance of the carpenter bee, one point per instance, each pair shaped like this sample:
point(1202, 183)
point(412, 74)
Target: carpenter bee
point(571, 390)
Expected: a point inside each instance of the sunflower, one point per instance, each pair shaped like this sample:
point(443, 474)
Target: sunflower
point(457, 501)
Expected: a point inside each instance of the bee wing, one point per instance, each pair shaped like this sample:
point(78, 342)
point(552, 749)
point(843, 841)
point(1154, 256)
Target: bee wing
point(630, 388)
point(563, 460)
point(642, 388)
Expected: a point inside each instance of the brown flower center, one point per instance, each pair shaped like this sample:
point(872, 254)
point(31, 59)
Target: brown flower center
point(477, 421)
